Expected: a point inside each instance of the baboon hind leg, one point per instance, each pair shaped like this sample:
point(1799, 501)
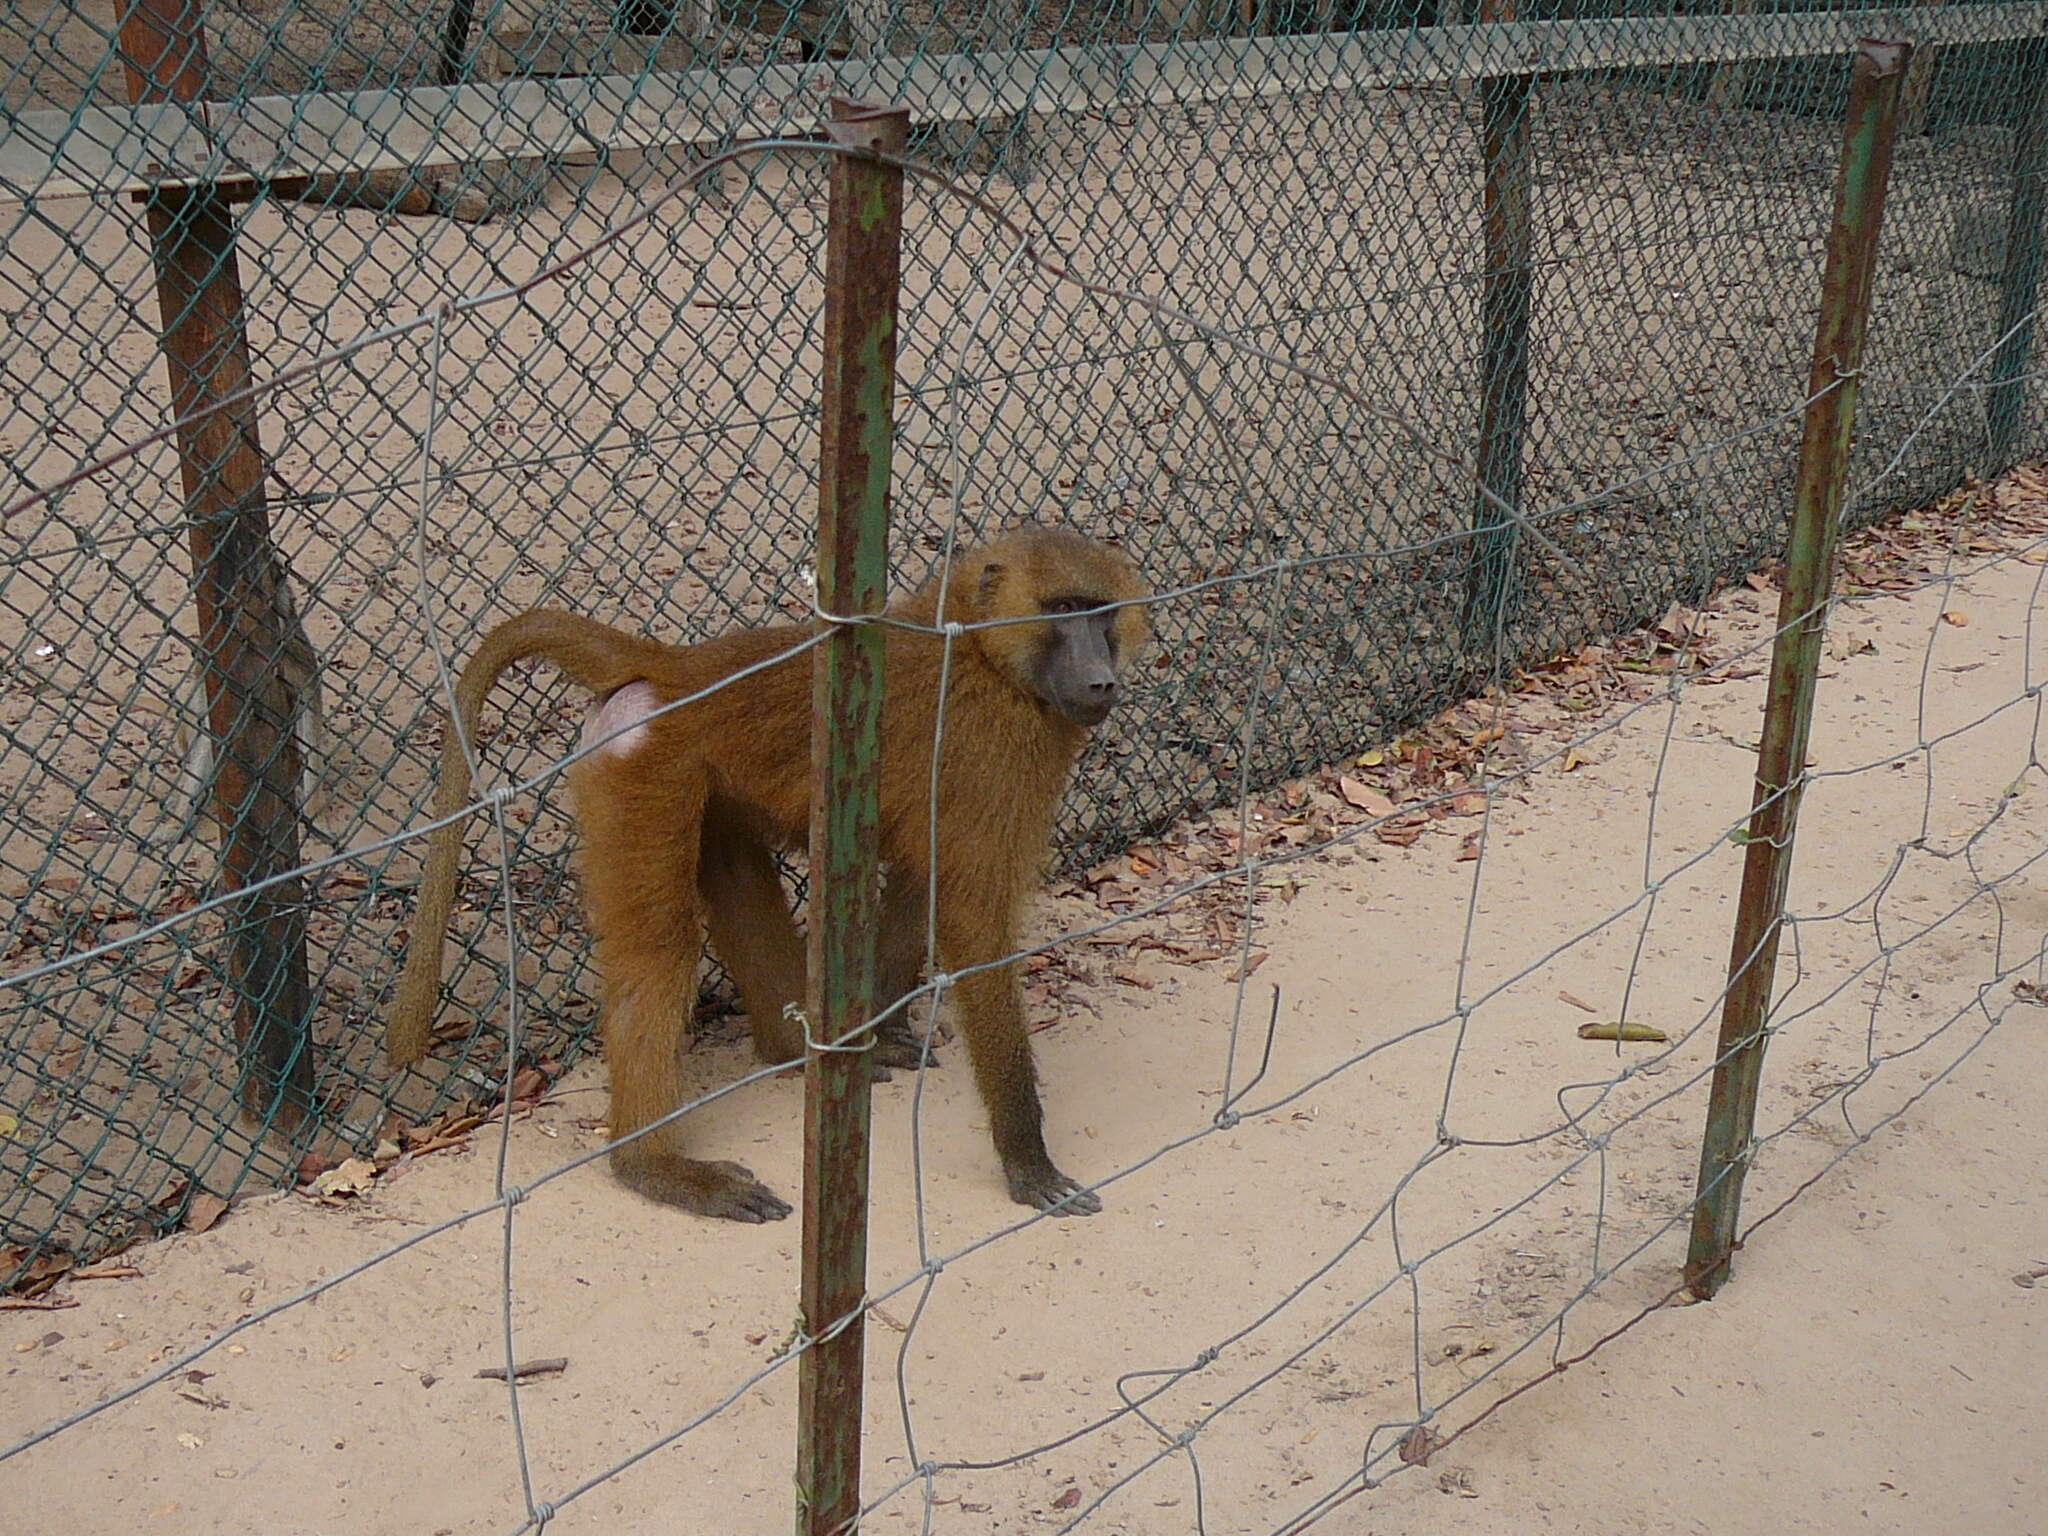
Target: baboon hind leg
point(755, 937)
point(899, 957)
point(753, 934)
point(640, 885)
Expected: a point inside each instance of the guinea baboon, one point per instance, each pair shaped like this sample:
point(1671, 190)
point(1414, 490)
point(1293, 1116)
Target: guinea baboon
point(685, 812)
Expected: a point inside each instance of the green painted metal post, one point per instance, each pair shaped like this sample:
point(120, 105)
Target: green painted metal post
point(1795, 659)
point(2025, 231)
point(236, 569)
point(1506, 146)
point(863, 251)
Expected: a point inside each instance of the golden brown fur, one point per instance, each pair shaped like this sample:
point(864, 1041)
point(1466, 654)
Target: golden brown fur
point(683, 813)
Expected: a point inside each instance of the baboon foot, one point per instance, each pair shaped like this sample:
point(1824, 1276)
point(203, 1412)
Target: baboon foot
point(1044, 1188)
point(709, 1189)
point(898, 1045)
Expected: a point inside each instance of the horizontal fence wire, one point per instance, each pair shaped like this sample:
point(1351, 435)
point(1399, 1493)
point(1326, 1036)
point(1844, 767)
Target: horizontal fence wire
point(626, 429)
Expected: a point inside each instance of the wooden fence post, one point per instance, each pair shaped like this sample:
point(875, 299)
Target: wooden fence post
point(2025, 231)
point(237, 573)
point(1506, 144)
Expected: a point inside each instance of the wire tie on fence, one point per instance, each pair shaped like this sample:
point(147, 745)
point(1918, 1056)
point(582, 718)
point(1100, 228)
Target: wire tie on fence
point(1186, 1437)
point(953, 629)
point(1226, 1119)
point(542, 1514)
point(942, 981)
point(794, 1013)
point(514, 1195)
point(853, 620)
point(933, 1268)
point(1206, 1358)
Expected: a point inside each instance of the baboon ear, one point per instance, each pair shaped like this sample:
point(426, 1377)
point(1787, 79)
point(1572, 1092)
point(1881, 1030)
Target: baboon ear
point(991, 574)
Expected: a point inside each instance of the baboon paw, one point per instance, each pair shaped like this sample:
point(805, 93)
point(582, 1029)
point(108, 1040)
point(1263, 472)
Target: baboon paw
point(737, 1195)
point(723, 1190)
point(898, 1048)
point(1047, 1189)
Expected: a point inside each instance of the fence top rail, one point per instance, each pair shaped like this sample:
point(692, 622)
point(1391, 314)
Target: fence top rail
point(104, 151)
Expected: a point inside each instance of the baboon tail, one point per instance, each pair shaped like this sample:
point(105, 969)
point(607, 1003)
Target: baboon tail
point(597, 656)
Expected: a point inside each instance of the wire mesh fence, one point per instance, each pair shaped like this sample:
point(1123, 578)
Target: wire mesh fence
point(1478, 1241)
point(626, 429)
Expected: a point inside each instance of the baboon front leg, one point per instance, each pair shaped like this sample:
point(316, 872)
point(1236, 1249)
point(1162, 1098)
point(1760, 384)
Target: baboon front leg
point(753, 934)
point(639, 867)
point(992, 1018)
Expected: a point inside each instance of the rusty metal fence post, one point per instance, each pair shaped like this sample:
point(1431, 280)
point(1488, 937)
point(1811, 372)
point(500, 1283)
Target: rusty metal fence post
point(863, 251)
point(2025, 231)
point(1795, 658)
point(236, 577)
point(1506, 147)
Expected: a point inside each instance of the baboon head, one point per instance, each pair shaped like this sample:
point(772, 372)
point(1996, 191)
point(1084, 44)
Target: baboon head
point(1072, 661)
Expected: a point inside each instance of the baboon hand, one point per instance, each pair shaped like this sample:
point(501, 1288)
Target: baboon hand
point(1044, 1188)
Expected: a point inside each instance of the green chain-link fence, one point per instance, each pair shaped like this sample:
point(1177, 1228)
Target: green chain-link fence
point(1624, 246)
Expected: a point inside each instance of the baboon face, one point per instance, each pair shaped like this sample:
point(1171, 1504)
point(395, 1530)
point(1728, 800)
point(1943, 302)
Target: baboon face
point(1076, 671)
point(1070, 660)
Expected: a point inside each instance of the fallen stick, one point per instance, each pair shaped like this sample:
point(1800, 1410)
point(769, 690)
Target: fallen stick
point(554, 1365)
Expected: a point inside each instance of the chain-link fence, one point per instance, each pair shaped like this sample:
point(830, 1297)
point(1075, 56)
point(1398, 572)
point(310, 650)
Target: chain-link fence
point(1598, 278)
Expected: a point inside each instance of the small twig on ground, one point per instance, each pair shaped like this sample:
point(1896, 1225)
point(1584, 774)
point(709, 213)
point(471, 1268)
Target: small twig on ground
point(554, 1365)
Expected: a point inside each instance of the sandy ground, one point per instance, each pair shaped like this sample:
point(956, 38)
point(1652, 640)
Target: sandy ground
point(1875, 1365)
